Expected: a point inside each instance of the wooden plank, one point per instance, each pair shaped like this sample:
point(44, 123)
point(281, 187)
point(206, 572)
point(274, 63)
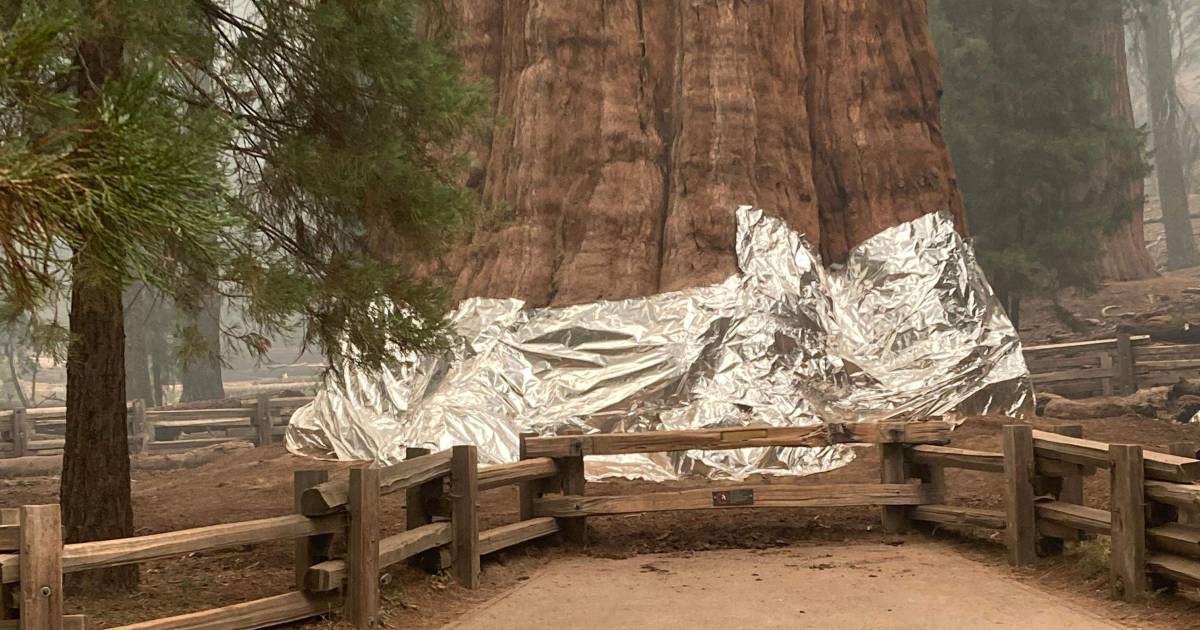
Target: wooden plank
point(464, 516)
point(958, 515)
point(498, 538)
point(1166, 352)
point(1071, 488)
point(1106, 383)
point(121, 551)
point(498, 476)
point(1160, 466)
point(1049, 364)
point(215, 423)
point(1081, 374)
point(334, 495)
point(1020, 531)
point(527, 491)
point(361, 607)
point(69, 622)
point(10, 537)
point(892, 470)
point(932, 432)
point(1182, 449)
point(1175, 567)
point(948, 457)
point(1076, 517)
point(733, 497)
point(44, 445)
point(192, 443)
point(309, 550)
point(330, 574)
point(1128, 556)
point(1095, 343)
point(158, 416)
point(1175, 538)
point(1065, 486)
point(260, 613)
point(41, 563)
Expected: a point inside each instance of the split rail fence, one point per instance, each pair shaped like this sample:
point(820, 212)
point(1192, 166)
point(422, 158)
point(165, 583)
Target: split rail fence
point(1154, 517)
point(40, 431)
point(1106, 367)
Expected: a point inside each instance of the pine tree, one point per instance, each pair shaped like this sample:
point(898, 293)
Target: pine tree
point(251, 147)
point(1028, 118)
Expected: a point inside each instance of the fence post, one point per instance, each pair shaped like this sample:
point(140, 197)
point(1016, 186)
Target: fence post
point(1183, 449)
point(1128, 556)
point(9, 592)
point(1020, 523)
point(311, 549)
point(41, 568)
point(362, 549)
point(571, 481)
point(464, 515)
point(20, 433)
point(527, 491)
point(262, 419)
point(137, 424)
point(1126, 382)
point(1066, 489)
point(893, 470)
point(420, 503)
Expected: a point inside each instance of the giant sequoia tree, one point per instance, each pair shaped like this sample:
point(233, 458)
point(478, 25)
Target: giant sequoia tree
point(633, 129)
point(204, 146)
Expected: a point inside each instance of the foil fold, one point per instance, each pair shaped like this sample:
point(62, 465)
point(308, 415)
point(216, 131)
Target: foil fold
point(907, 328)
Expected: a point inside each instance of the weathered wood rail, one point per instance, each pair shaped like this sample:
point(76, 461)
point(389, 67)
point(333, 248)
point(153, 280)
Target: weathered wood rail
point(1152, 520)
point(1105, 367)
point(1153, 517)
point(262, 420)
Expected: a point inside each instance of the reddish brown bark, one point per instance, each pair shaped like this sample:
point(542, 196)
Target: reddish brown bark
point(1123, 254)
point(635, 128)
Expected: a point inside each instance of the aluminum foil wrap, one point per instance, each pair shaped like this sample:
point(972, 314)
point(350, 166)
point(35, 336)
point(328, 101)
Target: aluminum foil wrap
point(907, 328)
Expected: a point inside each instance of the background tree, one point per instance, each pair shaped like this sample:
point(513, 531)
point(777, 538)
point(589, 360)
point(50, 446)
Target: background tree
point(314, 121)
point(1030, 121)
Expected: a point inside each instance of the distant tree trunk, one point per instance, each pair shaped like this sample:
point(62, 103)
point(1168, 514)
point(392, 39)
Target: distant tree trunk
point(137, 354)
point(635, 129)
point(95, 490)
point(201, 375)
point(1123, 255)
point(1168, 151)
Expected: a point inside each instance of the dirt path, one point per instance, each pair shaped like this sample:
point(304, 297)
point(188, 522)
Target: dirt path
point(915, 585)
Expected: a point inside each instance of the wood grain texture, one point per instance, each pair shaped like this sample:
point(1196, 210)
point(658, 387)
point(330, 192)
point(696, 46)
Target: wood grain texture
point(309, 550)
point(1020, 532)
point(1174, 567)
point(892, 470)
point(334, 495)
point(950, 457)
point(958, 515)
point(361, 607)
point(766, 495)
point(1128, 556)
point(260, 613)
point(1159, 466)
point(1076, 517)
point(497, 538)
point(331, 574)
point(41, 561)
point(500, 475)
point(464, 517)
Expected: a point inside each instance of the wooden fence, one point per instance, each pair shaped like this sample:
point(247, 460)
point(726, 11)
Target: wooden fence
point(1105, 367)
point(1153, 517)
point(1152, 514)
point(262, 420)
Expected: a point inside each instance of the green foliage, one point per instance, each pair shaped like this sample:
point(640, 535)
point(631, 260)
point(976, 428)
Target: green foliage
point(1043, 163)
point(297, 156)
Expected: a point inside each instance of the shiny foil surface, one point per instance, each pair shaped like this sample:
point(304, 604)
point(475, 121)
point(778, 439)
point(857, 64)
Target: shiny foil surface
point(907, 328)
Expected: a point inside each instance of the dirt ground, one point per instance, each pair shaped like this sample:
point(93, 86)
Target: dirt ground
point(858, 586)
point(256, 483)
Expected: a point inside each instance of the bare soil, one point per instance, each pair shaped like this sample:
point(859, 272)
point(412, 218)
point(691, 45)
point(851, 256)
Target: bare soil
point(256, 483)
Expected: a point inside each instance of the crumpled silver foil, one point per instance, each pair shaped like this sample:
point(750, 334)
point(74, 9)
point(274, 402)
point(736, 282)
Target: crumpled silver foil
point(907, 328)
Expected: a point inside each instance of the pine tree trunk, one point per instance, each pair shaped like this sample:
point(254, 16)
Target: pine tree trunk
point(1123, 255)
point(1168, 151)
point(635, 128)
point(201, 375)
point(95, 491)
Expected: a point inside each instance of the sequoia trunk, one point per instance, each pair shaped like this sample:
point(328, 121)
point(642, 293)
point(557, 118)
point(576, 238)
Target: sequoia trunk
point(1123, 255)
point(635, 128)
point(1168, 152)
